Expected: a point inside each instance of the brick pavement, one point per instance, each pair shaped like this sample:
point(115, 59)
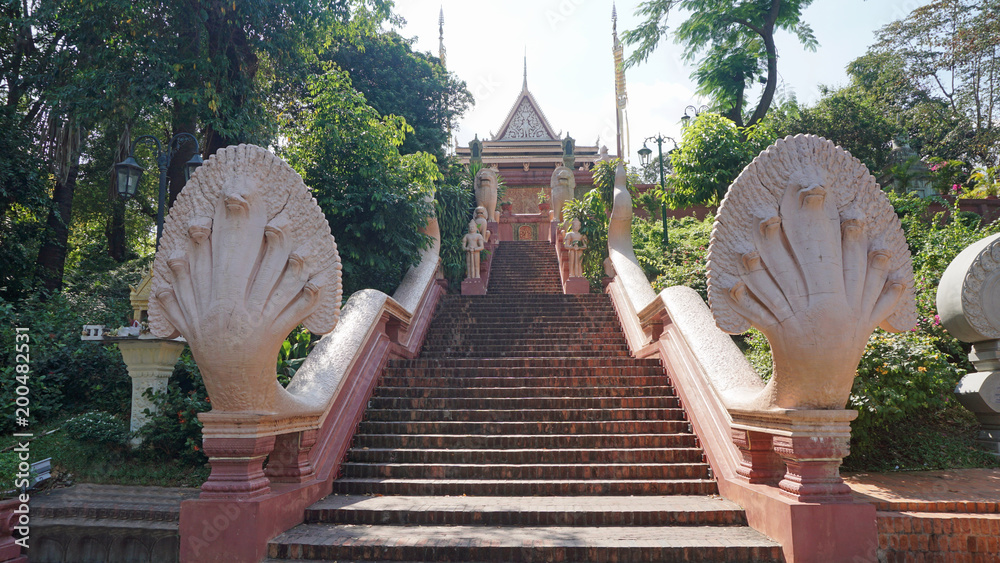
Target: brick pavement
point(950, 516)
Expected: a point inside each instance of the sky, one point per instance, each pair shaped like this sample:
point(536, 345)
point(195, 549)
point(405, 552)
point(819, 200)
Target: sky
point(571, 68)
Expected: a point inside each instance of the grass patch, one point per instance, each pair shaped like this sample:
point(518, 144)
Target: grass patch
point(936, 440)
point(77, 461)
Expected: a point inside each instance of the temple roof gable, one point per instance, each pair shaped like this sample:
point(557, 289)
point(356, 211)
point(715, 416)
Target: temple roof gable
point(526, 121)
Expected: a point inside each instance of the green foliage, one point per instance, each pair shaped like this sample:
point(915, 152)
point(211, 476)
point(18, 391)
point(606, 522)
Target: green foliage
point(373, 197)
point(845, 116)
point(99, 428)
point(8, 471)
point(758, 352)
point(684, 263)
point(454, 206)
point(293, 352)
point(734, 40)
point(985, 181)
point(174, 432)
point(69, 375)
point(593, 211)
point(593, 217)
point(712, 153)
point(398, 81)
point(948, 51)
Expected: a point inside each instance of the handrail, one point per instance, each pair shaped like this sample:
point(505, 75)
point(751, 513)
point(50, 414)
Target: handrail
point(704, 366)
point(336, 381)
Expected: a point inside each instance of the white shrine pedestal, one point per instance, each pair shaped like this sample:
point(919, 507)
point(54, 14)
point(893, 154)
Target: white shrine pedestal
point(150, 362)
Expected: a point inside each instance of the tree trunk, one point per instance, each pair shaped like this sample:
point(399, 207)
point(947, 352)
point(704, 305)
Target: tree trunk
point(52, 254)
point(228, 39)
point(184, 118)
point(115, 230)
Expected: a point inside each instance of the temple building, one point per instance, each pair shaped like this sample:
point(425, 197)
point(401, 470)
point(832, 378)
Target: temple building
point(525, 152)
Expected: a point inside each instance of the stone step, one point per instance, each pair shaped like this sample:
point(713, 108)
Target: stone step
point(520, 441)
point(526, 456)
point(506, 428)
point(493, 369)
point(514, 544)
point(517, 393)
point(554, 363)
point(523, 472)
point(522, 415)
point(522, 353)
point(505, 487)
point(501, 344)
point(526, 381)
point(521, 403)
point(677, 510)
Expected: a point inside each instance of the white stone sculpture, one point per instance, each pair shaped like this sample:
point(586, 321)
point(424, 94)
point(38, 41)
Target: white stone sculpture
point(807, 249)
point(472, 243)
point(575, 244)
point(486, 192)
point(563, 184)
point(246, 256)
point(968, 302)
point(481, 224)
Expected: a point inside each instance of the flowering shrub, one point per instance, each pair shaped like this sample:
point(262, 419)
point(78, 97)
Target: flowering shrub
point(98, 427)
point(174, 432)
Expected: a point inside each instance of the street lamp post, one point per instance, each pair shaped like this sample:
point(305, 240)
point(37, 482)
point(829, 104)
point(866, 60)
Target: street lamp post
point(692, 111)
point(129, 172)
point(644, 154)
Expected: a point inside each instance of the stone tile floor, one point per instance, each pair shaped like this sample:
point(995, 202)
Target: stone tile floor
point(954, 490)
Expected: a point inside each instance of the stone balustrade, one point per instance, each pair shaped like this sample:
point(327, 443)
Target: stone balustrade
point(775, 447)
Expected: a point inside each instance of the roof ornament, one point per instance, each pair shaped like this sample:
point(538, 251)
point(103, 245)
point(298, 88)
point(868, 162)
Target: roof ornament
point(524, 85)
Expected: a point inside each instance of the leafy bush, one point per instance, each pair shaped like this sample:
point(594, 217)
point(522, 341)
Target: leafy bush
point(293, 352)
point(69, 375)
point(684, 263)
point(99, 428)
point(455, 203)
point(373, 197)
point(174, 432)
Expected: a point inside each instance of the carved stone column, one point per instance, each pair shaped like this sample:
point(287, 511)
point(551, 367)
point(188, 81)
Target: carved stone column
point(760, 465)
point(289, 462)
point(968, 301)
point(237, 467)
point(150, 363)
point(803, 447)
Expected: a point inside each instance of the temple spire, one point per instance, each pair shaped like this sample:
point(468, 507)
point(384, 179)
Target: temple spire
point(524, 86)
point(442, 52)
point(621, 98)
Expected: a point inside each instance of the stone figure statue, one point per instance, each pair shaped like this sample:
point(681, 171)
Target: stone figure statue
point(481, 224)
point(563, 184)
point(486, 193)
point(472, 243)
point(807, 249)
point(575, 244)
point(246, 256)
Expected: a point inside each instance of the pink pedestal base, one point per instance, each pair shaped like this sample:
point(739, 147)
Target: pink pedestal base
point(576, 286)
point(802, 448)
point(10, 552)
point(474, 286)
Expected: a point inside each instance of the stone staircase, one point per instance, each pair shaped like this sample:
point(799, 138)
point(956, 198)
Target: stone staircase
point(524, 432)
point(524, 266)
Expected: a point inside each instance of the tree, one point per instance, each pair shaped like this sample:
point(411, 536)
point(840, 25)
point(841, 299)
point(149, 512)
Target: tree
point(845, 116)
point(373, 197)
point(735, 42)
point(713, 151)
point(398, 81)
point(946, 54)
